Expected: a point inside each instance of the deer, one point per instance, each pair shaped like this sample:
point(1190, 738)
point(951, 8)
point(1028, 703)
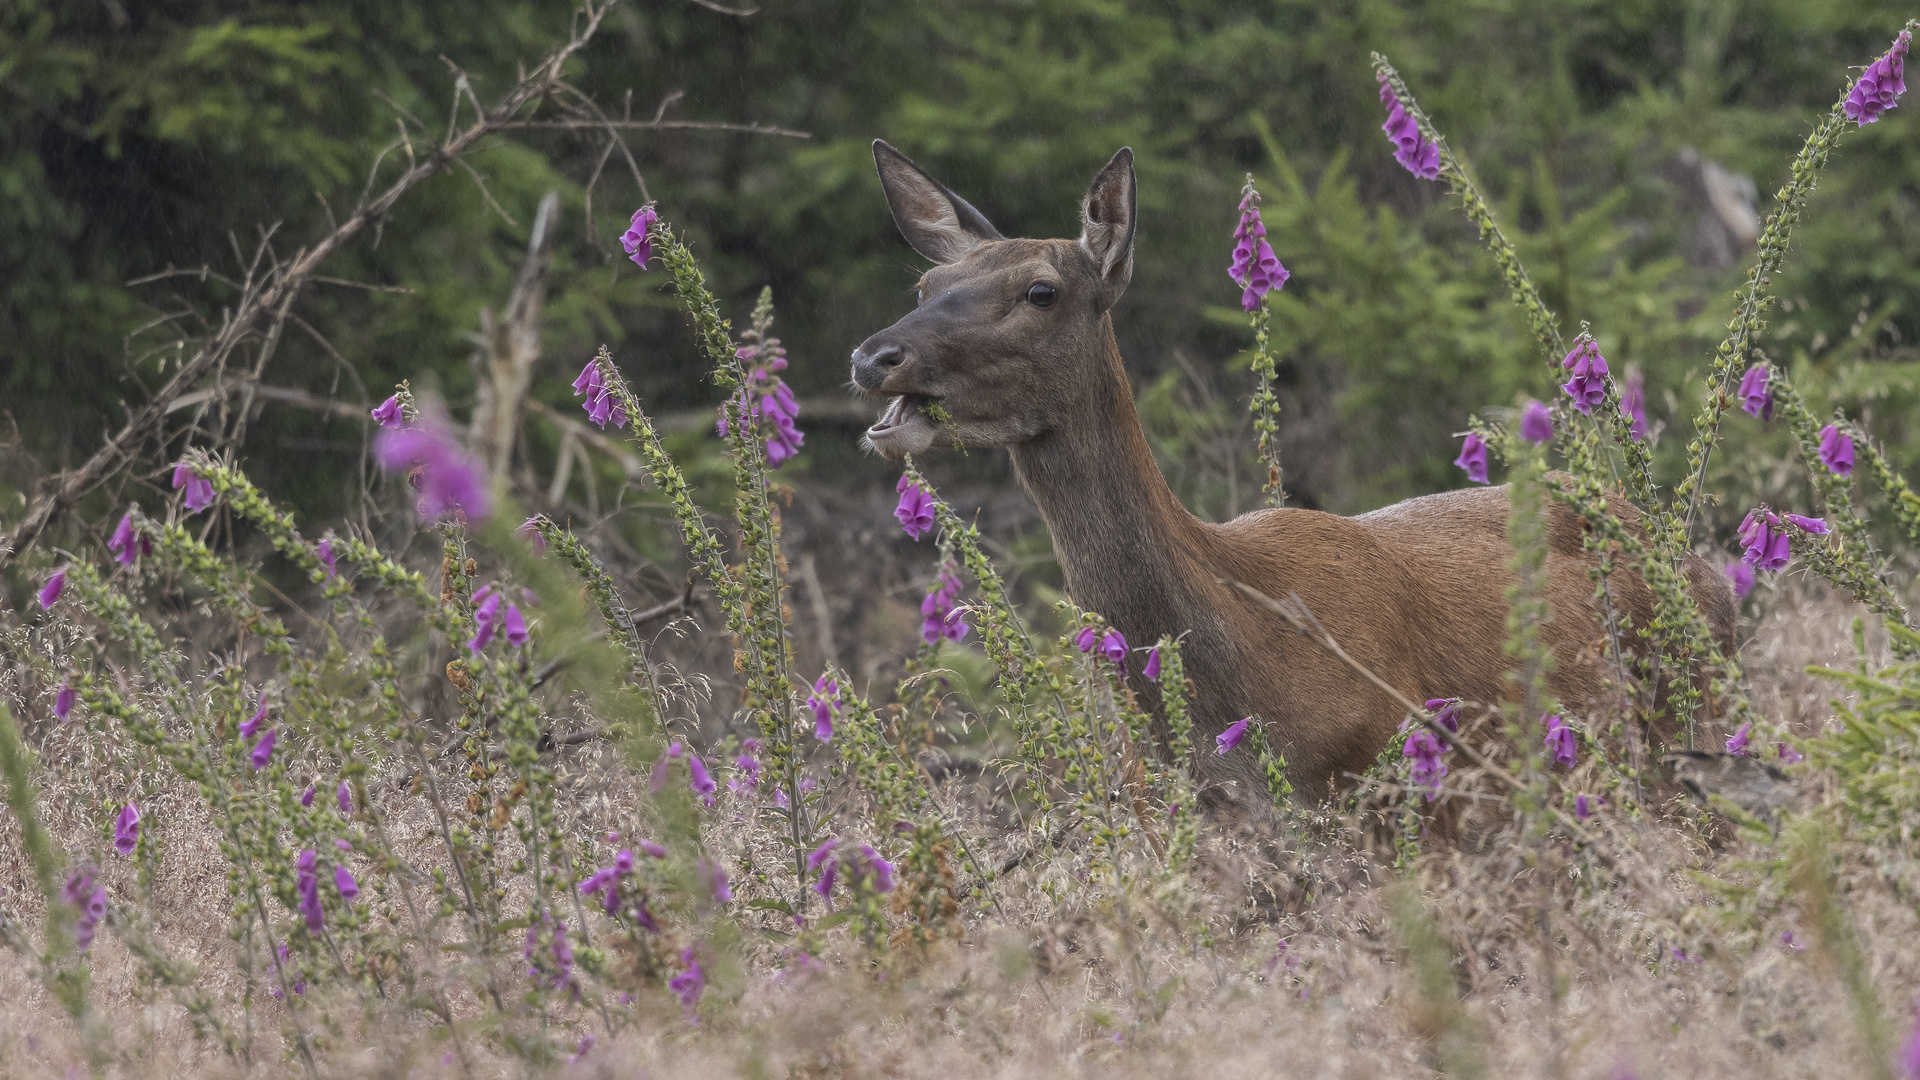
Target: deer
point(1011, 344)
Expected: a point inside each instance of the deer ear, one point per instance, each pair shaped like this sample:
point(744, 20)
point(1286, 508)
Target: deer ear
point(1106, 225)
point(939, 224)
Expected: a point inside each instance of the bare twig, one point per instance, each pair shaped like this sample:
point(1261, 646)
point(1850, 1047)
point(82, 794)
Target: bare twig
point(272, 293)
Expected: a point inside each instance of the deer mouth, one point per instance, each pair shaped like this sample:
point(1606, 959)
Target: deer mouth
point(904, 428)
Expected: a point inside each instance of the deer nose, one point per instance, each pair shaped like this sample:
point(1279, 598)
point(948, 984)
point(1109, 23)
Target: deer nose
point(870, 369)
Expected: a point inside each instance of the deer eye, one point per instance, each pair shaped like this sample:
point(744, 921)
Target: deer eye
point(1042, 295)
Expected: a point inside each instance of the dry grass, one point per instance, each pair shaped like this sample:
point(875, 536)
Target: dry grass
point(1277, 956)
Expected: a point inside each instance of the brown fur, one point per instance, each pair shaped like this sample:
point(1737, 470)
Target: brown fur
point(1416, 590)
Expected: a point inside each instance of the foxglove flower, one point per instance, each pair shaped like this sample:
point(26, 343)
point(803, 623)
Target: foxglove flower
point(652, 850)
point(698, 778)
point(343, 797)
point(1588, 387)
point(1878, 90)
point(765, 396)
point(1740, 574)
point(1227, 740)
point(344, 883)
point(1582, 807)
point(1562, 746)
point(1446, 713)
point(90, 898)
point(1256, 269)
point(126, 829)
point(388, 413)
point(1536, 424)
point(748, 766)
point(582, 1050)
point(530, 530)
point(549, 957)
point(63, 701)
point(1755, 398)
point(1411, 150)
point(299, 981)
point(938, 615)
point(1473, 457)
point(263, 750)
point(825, 703)
point(199, 489)
point(1087, 638)
point(1633, 405)
point(514, 625)
point(248, 728)
point(306, 797)
point(486, 622)
point(1767, 544)
point(324, 552)
point(447, 478)
point(1152, 670)
point(1836, 451)
point(602, 404)
point(637, 239)
point(1737, 742)
point(50, 592)
point(1425, 749)
point(821, 861)
point(915, 512)
point(689, 984)
point(1114, 647)
point(865, 866)
point(1816, 526)
point(658, 778)
point(716, 877)
point(307, 887)
point(127, 543)
point(1790, 756)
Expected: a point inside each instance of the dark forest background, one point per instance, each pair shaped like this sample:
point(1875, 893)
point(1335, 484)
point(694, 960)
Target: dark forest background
point(1629, 145)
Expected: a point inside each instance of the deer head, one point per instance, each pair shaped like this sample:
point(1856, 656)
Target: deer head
point(1008, 334)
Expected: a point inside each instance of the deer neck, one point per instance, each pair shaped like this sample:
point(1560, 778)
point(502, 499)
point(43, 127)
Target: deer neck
point(1129, 549)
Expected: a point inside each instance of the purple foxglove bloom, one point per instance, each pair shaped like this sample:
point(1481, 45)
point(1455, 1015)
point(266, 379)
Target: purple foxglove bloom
point(1152, 669)
point(1836, 451)
point(1755, 398)
point(1114, 647)
point(343, 881)
point(697, 776)
point(1588, 387)
point(324, 552)
point(867, 865)
point(249, 727)
point(658, 779)
point(1740, 574)
point(1536, 424)
point(1230, 738)
point(1878, 90)
point(514, 626)
point(636, 240)
point(307, 886)
point(126, 830)
point(1410, 149)
point(50, 592)
point(822, 856)
point(486, 622)
point(1425, 750)
point(590, 381)
point(717, 884)
point(1760, 535)
point(622, 862)
point(448, 480)
point(915, 512)
point(652, 850)
point(551, 966)
point(82, 893)
point(1582, 808)
point(343, 796)
point(1446, 713)
point(689, 983)
point(585, 1048)
point(825, 703)
point(938, 617)
point(63, 701)
point(1562, 745)
point(199, 489)
point(388, 413)
point(1633, 405)
point(1816, 526)
point(125, 543)
point(530, 529)
point(1255, 268)
point(1737, 742)
point(1789, 755)
point(306, 797)
point(1087, 638)
point(1473, 457)
point(263, 750)
point(1779, 551)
